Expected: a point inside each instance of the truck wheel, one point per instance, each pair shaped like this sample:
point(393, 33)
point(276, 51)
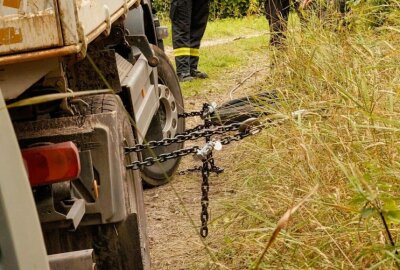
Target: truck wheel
point(123, 245)
point(165, 123)
point(117, 246)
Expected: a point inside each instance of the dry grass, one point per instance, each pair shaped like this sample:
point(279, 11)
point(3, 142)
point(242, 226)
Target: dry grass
point(350, 150)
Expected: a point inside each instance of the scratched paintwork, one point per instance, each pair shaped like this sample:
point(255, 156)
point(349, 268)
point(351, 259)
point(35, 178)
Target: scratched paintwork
point(27, 33)
point(31, 25)
point(28, 25)
point(12, 3)
point(92, 13)
point(10, 35)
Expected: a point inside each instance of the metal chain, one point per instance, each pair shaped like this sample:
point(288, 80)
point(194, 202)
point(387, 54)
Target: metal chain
point(150, 161)
point(190, 170)
point(183, 138)
point(214, 168)
point(197, 128)
point(201, 131)
point(190, 114)
point(196, 113)
point(235, 138)
point(207, 110)
point(205, 188)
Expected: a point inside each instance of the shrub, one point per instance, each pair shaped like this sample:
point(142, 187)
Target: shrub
point(219, 8)
point(374, 13)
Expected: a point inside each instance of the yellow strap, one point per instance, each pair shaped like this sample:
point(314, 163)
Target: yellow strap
point(194, 52)
point(182, 52)
point(186, 52)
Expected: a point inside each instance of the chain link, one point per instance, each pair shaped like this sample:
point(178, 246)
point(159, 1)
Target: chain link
point(196, 113)
point(206, 111)
point(190, 114)
point(150, 161)
point(201, 131)
point(197, 128)
point(195, 135)
point(190, 170)
point(205, 188)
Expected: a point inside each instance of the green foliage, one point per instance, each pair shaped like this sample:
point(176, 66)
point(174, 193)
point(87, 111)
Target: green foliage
point(229, 8)
point(374, 13)
point(162, 7)
point(219, 8)
point(351, 149)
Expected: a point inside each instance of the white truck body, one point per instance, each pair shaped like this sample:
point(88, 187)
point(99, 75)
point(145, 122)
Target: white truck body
point(90, 76)
point(19, 222)
point(33, 33)
point(31, 25)
point(100, 82)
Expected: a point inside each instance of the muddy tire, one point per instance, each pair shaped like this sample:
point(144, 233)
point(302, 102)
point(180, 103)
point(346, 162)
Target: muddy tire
point(165, 123)
point(117, 246)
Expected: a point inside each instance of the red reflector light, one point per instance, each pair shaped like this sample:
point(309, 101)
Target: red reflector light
point(52, 163)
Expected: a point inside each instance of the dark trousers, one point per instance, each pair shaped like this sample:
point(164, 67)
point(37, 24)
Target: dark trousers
point(277, 13)
point(189, 20)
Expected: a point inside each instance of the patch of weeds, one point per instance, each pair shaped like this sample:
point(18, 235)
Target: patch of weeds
point(227, 63)
point(228, 28)
point(349, 146)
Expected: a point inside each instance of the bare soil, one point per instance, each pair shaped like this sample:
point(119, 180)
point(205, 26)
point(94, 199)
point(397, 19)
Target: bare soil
point(174, 240)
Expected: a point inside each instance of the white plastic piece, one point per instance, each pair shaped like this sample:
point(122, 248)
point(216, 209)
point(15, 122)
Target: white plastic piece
point(108, 20)
point(218, 146)
point(212, 107)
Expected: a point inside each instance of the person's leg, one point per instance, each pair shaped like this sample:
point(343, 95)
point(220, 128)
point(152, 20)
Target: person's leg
point(180, 14)
point(200, 12)
point(277, 13)
point(342, 7)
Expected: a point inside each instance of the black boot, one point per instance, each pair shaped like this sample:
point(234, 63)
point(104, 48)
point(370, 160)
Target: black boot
point(183, 68)
point(194, 72)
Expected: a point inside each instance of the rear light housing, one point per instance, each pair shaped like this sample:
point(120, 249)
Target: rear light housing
point(52, 163)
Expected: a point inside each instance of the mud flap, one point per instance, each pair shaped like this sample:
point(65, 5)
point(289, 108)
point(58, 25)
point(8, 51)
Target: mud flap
point(129, 237)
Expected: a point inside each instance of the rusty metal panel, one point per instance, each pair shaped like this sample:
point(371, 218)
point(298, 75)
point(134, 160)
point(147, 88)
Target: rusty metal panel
point(27, 25)
point(92, 13)
point(89, 18)
point(37, 25)
point(69, 22)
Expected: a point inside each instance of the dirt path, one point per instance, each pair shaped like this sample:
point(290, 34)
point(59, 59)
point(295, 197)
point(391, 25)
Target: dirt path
point(174, 241)
point(215, 42)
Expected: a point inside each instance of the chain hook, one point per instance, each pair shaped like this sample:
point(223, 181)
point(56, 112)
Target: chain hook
point(208, 109)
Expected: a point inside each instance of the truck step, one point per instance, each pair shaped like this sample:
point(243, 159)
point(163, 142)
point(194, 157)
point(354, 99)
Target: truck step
point(123, 66)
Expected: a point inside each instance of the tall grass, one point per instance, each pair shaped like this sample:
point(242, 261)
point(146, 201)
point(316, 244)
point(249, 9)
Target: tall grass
point(350, 149)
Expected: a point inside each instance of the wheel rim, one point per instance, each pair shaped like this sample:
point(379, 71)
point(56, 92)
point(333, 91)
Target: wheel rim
point(168, 112)
point(165, 123)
